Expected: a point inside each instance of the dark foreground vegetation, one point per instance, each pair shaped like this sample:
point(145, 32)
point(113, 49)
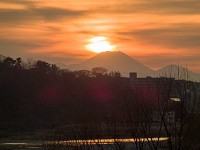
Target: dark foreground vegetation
point(38, 96)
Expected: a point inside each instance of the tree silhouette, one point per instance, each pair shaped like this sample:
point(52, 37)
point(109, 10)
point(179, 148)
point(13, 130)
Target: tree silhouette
point(99, 71)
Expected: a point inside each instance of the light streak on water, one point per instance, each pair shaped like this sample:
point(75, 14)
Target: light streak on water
point(36, 144)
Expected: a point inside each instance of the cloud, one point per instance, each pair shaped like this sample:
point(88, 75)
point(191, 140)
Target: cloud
point(21, 2)
point(128, 22)
point(183, 36)
point(171, 7)
point(17, 47)
point(26, 49)
point(154, 6)
point(13, 16)
point(58, 57)
point(167, 57)
point(49, 13)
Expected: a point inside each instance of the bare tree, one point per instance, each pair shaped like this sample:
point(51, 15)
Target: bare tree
point(173, 102)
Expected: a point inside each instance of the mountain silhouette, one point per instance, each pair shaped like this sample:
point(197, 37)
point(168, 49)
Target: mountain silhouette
point(115, 61)
point(178, 72)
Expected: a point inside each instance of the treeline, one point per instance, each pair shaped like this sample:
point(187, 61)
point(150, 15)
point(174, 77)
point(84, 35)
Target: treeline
point(37, 95)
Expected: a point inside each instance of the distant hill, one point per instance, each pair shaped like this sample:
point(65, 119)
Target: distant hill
point(178, 72)
point(118, 61)
point(61, 65)
point(114, 61)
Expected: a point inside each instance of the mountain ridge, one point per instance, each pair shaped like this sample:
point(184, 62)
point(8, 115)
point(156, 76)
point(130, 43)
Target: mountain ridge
point(119, 61)
point(178, 72)
point(115, 61)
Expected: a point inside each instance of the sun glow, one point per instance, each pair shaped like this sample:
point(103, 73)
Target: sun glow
point(99, 44)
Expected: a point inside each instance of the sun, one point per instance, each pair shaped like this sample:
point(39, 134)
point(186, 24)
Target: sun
point(99, 44)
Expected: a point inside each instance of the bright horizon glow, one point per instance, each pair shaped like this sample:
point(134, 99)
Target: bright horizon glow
point(99, 44)
point(69, 32)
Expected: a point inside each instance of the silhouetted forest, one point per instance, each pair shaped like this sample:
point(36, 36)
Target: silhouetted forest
point(38, 95)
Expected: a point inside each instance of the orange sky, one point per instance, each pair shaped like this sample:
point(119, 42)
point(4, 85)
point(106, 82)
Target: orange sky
point(154, 32)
